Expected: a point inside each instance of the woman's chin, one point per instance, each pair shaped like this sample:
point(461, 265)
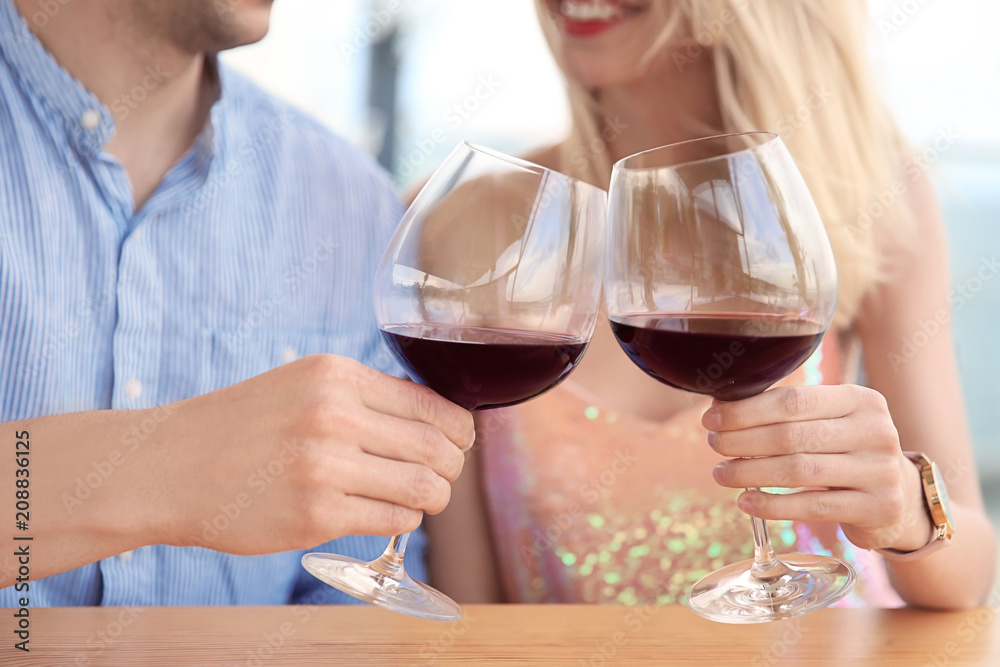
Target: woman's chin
point(599, 72)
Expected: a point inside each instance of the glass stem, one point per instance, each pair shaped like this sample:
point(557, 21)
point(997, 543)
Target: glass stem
point(390, 563)
point(766, 565)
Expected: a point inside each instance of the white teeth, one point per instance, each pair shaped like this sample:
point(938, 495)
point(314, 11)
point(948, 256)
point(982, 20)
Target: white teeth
point(594, 10)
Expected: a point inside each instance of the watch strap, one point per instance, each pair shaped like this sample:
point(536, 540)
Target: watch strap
point(934, 542)
point(938, 538)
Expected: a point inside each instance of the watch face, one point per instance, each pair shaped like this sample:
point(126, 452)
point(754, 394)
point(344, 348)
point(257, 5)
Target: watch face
point(942, 494)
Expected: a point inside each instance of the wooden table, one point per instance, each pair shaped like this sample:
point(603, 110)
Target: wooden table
point(497, 635)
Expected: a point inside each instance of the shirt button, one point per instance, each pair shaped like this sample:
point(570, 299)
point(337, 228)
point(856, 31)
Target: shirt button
point(133, 388)
point(125, 556)
point(289, 355)
point(90, 119)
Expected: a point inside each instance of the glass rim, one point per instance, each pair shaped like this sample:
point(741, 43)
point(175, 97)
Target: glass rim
point(771, 138)
point(527, 164)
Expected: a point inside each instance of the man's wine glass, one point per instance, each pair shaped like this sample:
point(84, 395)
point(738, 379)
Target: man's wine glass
point(488, 294)
point(720, 280)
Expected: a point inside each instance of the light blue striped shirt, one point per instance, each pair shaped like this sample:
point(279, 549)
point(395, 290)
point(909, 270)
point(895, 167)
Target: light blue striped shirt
point(258, 247)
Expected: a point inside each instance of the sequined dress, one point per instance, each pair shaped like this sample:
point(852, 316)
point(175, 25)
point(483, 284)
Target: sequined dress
point(588, 505)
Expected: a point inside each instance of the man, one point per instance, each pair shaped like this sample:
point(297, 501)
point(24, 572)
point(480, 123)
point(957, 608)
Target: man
point(169, 234)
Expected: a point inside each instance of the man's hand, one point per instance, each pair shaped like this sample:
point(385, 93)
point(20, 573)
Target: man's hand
point(320, 448)
point(289, 459)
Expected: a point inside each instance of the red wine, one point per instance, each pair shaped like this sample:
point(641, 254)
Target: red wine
point(728, 356)
point(481, 368)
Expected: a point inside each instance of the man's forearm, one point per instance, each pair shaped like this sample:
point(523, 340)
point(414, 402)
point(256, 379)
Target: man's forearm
point(336, 447)
point(71, 490)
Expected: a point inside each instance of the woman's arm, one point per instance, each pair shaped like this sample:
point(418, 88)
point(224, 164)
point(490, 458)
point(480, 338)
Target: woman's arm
point(909, 356)
point(460, 554)
point(845, 443)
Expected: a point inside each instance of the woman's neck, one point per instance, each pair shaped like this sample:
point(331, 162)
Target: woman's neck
point(666, 106)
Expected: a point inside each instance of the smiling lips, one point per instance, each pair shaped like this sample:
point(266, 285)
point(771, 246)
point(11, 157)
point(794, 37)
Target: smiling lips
point(586, 18)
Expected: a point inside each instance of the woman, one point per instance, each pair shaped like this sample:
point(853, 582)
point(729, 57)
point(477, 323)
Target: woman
point(604, 489)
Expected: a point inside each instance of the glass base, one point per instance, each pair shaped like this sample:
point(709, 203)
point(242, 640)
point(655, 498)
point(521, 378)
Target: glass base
point(734, 595)
point(394, 591)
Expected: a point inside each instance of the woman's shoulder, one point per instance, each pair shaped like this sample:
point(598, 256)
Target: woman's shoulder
point(547, 157)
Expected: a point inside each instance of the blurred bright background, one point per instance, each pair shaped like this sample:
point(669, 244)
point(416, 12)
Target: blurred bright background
point(480, 70)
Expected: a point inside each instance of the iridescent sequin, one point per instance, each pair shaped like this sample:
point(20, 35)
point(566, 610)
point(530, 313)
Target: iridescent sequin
point(592, 506)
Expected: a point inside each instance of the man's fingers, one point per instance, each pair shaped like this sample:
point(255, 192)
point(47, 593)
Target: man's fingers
point(367, 516)
point(409, 400)
point(414, 442)
point(410, 485)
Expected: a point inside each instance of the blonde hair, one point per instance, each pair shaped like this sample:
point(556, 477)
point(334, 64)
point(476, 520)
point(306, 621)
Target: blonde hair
point(772, 59)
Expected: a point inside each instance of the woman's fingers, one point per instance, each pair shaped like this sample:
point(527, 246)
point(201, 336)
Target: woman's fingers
point(837, 471)
point(816, 436)
point(789, 404)
point(846, 507)
point(837, 442)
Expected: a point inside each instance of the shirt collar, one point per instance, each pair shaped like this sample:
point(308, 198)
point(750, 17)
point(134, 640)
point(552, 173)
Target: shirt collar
point(88, 122)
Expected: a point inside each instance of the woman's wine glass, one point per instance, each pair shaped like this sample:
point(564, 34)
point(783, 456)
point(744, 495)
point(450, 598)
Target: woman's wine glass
point(720, 280)
point(488, 294)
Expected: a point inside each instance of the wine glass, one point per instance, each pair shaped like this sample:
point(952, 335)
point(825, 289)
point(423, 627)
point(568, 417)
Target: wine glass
point(719, 279)
point(488, 294)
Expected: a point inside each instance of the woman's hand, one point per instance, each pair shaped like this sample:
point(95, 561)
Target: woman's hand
point(839, 443)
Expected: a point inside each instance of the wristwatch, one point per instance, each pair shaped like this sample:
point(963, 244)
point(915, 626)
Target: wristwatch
point(938, 506)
